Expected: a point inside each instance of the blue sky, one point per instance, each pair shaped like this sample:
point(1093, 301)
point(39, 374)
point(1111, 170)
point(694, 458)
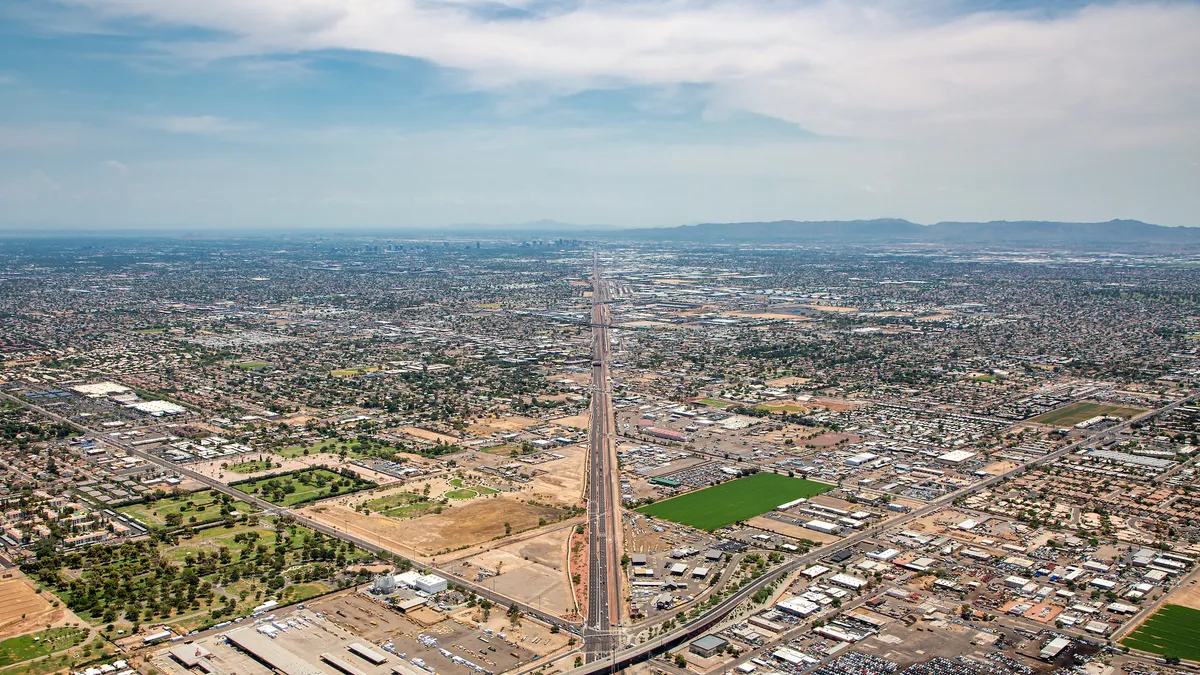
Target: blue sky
point(408, 113)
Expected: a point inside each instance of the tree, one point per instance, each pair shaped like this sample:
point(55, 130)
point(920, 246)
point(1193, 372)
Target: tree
point(680, 661)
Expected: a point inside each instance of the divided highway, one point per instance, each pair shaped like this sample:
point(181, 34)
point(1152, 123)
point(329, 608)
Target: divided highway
point(603, 508)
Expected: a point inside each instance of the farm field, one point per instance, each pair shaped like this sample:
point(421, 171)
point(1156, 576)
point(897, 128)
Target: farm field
point(1171, 631)
point(197, 507)
point(736, 500)
point(306, 485)
point(34, 645)
point(1084, 410)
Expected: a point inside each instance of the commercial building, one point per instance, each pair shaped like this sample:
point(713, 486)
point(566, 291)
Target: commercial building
point(431, 583)
point(708, 646)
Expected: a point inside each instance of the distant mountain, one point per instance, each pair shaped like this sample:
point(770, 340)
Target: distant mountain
point(899, 231)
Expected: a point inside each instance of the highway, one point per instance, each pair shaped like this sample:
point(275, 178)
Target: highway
point(603, 490)
point(268, 507)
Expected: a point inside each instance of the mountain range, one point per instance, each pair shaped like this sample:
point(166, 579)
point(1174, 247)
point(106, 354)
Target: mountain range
point(899, 231)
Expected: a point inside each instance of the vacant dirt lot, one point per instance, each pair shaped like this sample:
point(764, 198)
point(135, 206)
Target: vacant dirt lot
point(481, 520)
point(18, 598)
point(1188, 596)
point(573, 422)
point(502, 425)
point(531, 570)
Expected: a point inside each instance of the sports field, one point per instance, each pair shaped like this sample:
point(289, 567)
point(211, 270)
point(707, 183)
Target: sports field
point(741, 499)
point(1171, 631)
point(1078, 412)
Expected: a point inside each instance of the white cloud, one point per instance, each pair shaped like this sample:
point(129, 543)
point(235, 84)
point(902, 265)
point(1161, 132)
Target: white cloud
point(115, 167)
point(198, 124)
point(1112, 73)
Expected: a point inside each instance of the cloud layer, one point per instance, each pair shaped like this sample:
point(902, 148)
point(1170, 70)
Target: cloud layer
point(1113, 73)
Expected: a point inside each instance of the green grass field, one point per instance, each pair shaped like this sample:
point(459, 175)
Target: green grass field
point(203, 505)
point(303, 486)
point(213, 539)
point(715, 507)
point(329, 446)
point(1083, 410)
point(1173, 630)
point(251, 365)
point(714, 403)
point(34, 645)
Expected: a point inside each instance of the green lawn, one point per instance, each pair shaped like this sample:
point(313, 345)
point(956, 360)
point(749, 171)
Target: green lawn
point(465, 493)
point(34, 645)
point(1083, 410)
point(203, 506)
point(213, 539)
point(1173, 630)
point(328, 445)
point(715, 507)
point(251, 365)
point(714, 403)
point(303, 486)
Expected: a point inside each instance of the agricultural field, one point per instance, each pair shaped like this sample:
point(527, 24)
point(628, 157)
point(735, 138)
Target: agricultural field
point(306, 485)
point(1084, 410)
point(1172, 631)
point(733, 501)
point(35, 645)
point(175, 510)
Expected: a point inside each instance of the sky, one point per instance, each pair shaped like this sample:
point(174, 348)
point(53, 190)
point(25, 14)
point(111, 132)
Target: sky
point(347, 114)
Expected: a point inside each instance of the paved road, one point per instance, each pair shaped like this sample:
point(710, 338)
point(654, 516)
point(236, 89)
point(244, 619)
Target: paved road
point(300, 519)
point(710, 618)
point(603, 516)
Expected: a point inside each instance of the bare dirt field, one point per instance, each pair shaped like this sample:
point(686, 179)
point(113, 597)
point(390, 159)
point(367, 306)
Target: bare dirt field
point(19, 598)
point(788, 381)
point(431, 436)
point(532, 571)
point(573, 422)
point(829, 440)
point(1188, 596)
point(563, 481)
point(480, 520)
point(1003, 466)
point(502, 425)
